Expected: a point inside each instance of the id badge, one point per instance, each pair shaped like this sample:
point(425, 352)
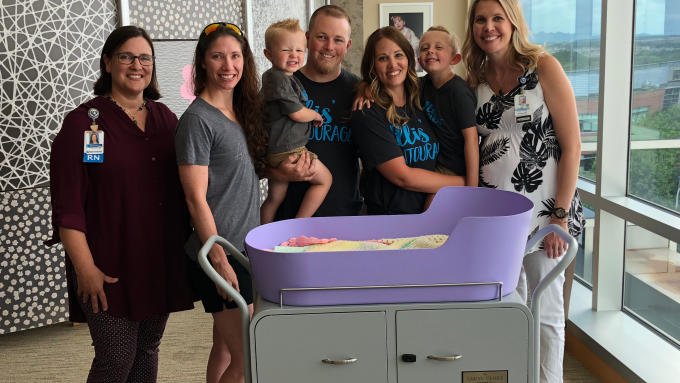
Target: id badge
point(94, 147)
point(522, 108)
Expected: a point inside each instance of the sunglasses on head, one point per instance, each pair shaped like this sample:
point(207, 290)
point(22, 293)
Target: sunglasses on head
point(211, 28)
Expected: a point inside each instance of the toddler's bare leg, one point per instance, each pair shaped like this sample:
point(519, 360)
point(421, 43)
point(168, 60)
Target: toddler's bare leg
point(275, 196)
point(317, 192)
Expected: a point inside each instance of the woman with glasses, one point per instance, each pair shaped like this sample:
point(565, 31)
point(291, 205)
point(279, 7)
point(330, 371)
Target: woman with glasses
point(221, 142)
point(122, 219)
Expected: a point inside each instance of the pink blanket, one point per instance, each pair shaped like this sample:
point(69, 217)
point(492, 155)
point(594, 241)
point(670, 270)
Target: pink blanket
point(303, 241)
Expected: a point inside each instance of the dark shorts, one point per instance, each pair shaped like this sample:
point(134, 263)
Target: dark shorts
point(207, 291)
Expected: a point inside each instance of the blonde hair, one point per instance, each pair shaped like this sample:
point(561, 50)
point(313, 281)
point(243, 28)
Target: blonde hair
point(454, 42)
point(522, 54)
point(274, 30)
point(369, 78)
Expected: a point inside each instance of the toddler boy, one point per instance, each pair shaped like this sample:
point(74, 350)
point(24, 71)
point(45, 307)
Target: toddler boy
point(287, 120)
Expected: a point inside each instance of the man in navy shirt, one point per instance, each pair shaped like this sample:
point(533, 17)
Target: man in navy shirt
point(329, 92)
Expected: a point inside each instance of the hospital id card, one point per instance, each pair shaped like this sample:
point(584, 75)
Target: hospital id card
point(94, 147)
point(522, 108)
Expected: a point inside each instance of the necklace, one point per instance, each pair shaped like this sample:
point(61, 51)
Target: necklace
point(130, 114)
point(500, 90)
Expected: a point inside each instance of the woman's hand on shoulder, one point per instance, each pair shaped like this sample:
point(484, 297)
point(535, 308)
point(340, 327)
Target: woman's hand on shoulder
point(362, 100)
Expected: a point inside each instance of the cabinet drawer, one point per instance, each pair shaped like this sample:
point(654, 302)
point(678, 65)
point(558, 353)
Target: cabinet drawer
point(290, 348)
point(494, 339)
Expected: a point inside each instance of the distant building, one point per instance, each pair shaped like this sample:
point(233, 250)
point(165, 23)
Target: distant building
point(672, 94)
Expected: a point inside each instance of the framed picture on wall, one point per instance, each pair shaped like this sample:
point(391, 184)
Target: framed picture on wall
point(412, 19)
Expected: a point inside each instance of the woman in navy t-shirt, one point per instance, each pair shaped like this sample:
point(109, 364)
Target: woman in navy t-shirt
point(398, 147)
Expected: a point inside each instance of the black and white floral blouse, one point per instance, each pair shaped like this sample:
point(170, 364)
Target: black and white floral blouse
point(522, 157)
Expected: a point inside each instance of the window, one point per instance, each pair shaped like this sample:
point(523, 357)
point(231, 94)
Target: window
point(584, 256)
point(652, 280)
point(574, 40)
point(655, 121)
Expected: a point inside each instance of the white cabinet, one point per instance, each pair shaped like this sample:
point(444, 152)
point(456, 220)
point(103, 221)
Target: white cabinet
point(464, 340)
point(291, 348)
point(289, 344)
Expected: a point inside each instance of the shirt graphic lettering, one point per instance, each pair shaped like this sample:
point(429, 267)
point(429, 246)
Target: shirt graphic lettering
point(328, 131)
point(431, 112)
point(408, 138)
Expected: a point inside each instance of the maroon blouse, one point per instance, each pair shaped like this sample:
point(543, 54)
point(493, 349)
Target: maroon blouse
point(131, 208)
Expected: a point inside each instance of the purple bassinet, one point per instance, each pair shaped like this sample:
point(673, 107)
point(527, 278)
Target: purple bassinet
point(487, 237)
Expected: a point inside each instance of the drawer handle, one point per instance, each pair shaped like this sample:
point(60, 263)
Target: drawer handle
point(444, 358)
point(346, 361)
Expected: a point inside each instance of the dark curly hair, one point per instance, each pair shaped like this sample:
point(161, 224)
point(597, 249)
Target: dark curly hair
point(115, 40)
point(248, 103)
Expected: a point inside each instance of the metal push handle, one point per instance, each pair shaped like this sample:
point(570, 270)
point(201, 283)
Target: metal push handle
point(499, 284)
point(444, 358)
point(344, 361)
point(231, 292)
point(567, 258)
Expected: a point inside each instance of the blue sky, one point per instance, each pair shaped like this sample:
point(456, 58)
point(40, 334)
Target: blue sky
point(649, 17)
point(560, 16)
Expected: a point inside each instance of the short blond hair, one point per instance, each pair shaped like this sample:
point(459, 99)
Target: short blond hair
point(274, 30)
point(454, 42)
point(332, 11)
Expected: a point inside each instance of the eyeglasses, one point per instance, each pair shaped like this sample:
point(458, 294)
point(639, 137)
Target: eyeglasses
point(211, 28)
point(128, 58)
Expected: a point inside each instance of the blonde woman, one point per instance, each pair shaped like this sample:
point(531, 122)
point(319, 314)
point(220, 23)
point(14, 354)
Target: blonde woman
point(526, 115)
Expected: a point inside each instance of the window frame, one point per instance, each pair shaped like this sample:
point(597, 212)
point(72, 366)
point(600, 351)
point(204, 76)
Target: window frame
point(614, 206)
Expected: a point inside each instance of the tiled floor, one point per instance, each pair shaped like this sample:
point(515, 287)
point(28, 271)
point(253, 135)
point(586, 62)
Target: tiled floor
point(660, 268)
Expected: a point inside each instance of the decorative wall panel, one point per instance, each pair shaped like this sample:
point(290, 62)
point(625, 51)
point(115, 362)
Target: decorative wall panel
point(355, 10)
point(266, 12)
point(33, 289)
point(173, 69)
point(49, 59)
point(182, 19)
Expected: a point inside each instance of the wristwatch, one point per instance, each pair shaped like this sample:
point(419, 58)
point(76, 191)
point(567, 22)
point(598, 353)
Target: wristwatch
point(560, 213)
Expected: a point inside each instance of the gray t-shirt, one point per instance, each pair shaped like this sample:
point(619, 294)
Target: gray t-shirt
point(284, 95)
point(205, 136)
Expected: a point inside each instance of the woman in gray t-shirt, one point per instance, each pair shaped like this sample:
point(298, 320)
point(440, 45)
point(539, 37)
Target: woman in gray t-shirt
point(220, 144)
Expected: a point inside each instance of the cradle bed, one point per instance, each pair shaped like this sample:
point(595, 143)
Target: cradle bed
point(446, 314)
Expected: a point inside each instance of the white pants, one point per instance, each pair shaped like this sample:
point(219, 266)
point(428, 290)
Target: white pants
point(535, 267)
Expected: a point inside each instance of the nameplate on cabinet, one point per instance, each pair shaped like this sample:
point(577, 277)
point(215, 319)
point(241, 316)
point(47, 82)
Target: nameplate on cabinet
point(485, 376)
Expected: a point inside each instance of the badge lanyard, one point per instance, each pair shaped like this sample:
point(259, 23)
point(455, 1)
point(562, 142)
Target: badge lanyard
point(522, 103)
point(93, 151)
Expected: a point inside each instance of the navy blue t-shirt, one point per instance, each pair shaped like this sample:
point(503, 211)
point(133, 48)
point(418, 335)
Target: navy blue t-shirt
point(333, 143)
point(452, 109)
point(379, 142)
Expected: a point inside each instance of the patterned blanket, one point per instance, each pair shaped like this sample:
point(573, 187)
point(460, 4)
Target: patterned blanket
point(324, 245)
